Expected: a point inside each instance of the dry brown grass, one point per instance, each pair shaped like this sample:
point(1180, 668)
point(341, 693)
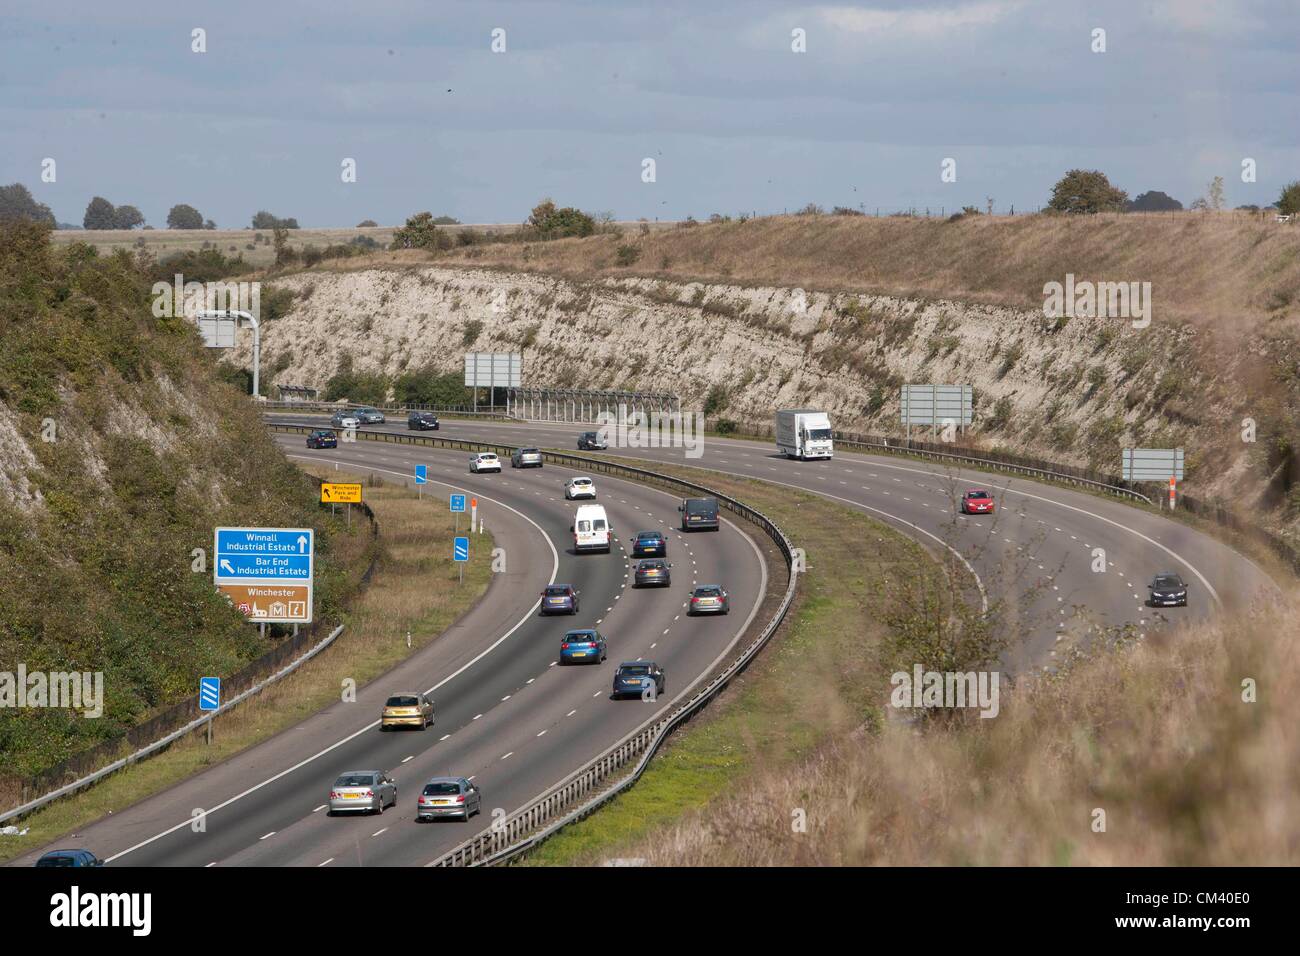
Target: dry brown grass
point(1204, 267)
point(1157, 735)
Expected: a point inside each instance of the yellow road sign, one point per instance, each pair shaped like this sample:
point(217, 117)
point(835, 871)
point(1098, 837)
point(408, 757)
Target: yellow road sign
point(334, 493)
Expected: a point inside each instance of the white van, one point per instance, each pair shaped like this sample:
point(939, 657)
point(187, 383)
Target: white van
point(591, 529)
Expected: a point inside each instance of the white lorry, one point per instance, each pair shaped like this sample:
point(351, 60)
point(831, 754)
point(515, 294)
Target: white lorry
point(804, 434)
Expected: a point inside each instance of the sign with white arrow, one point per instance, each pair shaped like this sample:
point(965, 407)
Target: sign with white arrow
point(267, 572)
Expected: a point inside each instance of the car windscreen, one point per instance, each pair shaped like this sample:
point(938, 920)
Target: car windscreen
point(557, 591)
point(1168, 582)
point(648, 536)
point(639, 671)
point(650, 566)
point(819, 434)
point(584, 526)
point(431, 789)
point(708, 592)
point(528, 451)
point(403, 702)
point(579, 637)
point(354, 780)
point(978, 494)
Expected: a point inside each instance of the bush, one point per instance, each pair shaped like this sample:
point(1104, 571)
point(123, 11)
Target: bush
point(547, 221)
point(428, 386)
point(716, 400)
point(470, 332)
point(627, 254)
point(363, 388)
point(421, 232)
point(1086, 191)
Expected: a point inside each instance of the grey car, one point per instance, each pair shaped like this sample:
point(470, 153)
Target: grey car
point(345, 419)
point(526, 458)
point(448, 797)
point(709, 599)
point(370, 416)
point(362, 791)
point(653, 573)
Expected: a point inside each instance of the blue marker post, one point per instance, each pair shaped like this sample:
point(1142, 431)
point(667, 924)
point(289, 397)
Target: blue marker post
point(209, 698)
point(421, 479)
point(460, 554)
point(457, 508)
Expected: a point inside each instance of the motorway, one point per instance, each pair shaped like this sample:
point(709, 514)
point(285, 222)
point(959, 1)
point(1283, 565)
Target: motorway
point(1036, 558)
point(507, 716)
point(518, 724)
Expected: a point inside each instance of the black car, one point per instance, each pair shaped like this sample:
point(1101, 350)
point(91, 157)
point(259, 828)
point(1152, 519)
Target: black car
point(322, 438)
point(699, 514)
point(591, 441)
point(635, 678)
point(1167, 590)
point(422, 421)
point(649, 544)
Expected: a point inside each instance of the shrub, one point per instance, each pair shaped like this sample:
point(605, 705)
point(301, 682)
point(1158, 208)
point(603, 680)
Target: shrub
point(470, 332)
point(627, 254)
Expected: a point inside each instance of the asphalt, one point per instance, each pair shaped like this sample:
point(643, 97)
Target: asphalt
point(507, 715)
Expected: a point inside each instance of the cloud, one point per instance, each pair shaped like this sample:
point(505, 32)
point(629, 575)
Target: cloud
point(917, 22)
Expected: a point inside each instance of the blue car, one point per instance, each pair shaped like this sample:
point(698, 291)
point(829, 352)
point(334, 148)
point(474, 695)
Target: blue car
point(586, 646)
point(649, 544)
point(636, 678)
point(322, 438)
point(69, 858)
point(560, 599)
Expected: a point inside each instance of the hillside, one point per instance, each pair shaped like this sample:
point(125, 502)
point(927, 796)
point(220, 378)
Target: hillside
point(1074, 390)
point(120, 450)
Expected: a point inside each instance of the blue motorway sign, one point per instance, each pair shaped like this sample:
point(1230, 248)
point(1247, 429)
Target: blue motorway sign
point(421, 474)
point(209, 693)
point(457, 502)
point(460, 549)
point(262, 555)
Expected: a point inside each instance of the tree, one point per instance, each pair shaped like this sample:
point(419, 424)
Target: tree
point(1288, 202)
point(1086, 191)
point(1153, 201)
point(428, 386)
point(284, 255)
point(16, 202)
point(552, 222)
point(100, 214)
point(367, 224)
point(265, 220)
point(209, 224)
point(184, 216)
point(1215, 190)
point(127, 217)
point(421, 232)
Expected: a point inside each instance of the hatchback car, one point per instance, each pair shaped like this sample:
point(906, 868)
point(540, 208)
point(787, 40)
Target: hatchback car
point(652, 574)
point(637, 677)
point(649, 544)
point(1167, 590)
point(526, 458)
point(370, 416)
point(709, 599)
point(448, 797)
point(322, 438)
point(586, 646)
point(560, 599)
point(362, 791)
point(591, 441)
point(69, 858)
point(345, 419)
point(484, 461)
point(422, 422)
point(407, 710)
point(977, 501)
point(579, 488)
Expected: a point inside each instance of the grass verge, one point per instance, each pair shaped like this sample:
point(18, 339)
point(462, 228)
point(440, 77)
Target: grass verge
point(414, 588)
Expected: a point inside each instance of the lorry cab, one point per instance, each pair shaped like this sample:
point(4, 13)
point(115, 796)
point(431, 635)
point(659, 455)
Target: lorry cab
point(804, 434)
point(591, 529)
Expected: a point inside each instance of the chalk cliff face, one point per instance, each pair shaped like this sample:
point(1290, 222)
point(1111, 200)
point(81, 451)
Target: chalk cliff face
point(1073, 389)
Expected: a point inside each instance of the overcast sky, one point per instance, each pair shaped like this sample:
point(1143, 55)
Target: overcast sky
point(711, 90)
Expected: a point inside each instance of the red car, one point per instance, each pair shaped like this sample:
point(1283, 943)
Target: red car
point(977, 502)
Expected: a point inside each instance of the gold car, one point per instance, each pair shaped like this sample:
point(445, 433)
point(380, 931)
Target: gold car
point(407, 710)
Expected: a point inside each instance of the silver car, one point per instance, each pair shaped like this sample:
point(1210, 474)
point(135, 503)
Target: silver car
point(526, 458)
point(448, 797)
point(344, 419)
point(362, 791)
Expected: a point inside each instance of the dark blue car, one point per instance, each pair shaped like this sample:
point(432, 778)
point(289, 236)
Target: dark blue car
point(560, 599)
point(639, 678)
point(322, 438)
point(649, 544)
point(586, 646)
point(69, 858)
